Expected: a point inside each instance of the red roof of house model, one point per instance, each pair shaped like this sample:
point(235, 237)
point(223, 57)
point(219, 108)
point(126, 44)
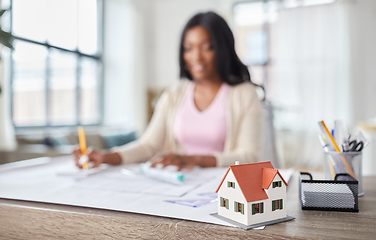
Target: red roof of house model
point(253, 179)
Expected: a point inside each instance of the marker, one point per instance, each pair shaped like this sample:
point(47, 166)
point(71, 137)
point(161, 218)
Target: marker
point(84, 159)
point(163, 175)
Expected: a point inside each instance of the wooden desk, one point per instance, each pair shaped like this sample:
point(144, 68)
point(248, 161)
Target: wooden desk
point(30, 220)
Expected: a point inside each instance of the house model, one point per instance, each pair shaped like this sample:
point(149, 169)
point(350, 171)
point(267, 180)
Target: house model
point(252, 193)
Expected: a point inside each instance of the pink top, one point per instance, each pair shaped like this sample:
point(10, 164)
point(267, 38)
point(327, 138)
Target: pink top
point(202, 132)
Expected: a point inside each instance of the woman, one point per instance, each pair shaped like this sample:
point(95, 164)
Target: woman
point(211, 118)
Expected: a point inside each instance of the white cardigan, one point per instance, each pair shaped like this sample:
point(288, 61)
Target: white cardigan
point(244, 128)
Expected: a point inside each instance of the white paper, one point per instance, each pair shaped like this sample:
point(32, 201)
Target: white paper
point(74, 171)
point(109, 188)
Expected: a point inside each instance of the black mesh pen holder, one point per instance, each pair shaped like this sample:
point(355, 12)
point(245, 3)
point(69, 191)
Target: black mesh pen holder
point(340, 194)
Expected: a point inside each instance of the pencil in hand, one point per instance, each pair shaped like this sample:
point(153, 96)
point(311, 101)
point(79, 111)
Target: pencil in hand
point(84, 160)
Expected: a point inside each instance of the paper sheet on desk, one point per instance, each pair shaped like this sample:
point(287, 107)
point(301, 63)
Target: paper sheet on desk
point(75, 172)
point(42, 184)
point(116, 181)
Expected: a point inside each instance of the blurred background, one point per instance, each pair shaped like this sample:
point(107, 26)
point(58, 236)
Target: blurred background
point(103, 63)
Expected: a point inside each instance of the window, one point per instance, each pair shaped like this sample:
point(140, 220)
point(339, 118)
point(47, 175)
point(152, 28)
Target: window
point(277, 184)
point(231, 184)
point(239, 207)
point(257, 208)
point(253, 32)
point(224, 202)
point(277, 204)
point(252, 37)
point(57, 62)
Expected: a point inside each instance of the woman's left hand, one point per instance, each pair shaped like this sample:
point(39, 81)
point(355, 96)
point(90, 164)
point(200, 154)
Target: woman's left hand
point(187, 162)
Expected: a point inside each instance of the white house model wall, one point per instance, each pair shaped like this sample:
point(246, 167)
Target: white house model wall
point(274, 194)
point(233, 195)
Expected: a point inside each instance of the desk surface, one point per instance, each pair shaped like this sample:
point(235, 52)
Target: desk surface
point(28, 220)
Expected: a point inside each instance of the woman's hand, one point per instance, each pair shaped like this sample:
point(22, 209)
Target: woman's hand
point(187, 162)
point(94, 156)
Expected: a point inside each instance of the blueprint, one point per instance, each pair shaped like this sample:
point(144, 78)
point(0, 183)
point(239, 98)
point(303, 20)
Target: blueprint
point(121, 188)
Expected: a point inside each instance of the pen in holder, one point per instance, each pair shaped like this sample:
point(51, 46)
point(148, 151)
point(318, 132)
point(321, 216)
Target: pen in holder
point(344, 162)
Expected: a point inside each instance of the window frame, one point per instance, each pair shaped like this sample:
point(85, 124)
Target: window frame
point(257, 208)
point(231, 184)
point(224, 202)
point(277, 184)
point(98, 57)
point(238, 207)
point(277, 204)
point(265, 66)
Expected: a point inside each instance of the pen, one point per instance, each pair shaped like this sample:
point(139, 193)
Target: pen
point(323, 144)
point(332, 165)
point(84, 158)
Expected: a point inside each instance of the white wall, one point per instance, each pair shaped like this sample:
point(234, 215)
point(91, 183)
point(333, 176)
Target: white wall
point(363, 40)
point(273, 194)
point(232, 194)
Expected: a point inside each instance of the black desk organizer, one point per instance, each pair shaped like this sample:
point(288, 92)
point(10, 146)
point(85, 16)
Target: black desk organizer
point(328, 195)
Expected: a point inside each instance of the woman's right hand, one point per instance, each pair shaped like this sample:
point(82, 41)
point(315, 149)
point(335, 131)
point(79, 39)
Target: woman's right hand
point(94, 156)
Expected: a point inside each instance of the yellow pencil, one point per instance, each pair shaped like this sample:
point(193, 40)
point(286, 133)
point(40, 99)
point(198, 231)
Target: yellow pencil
point(348, 168)
point(82, 140)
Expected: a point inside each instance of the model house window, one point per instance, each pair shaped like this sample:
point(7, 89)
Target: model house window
point(224, 202)
point(257, 208)
point(239, 207)
point(231, 184)
point(56, 73)
point(277, 204)
point(277, 184)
